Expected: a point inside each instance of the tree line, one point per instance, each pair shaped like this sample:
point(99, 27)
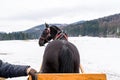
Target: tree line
point(17, 36)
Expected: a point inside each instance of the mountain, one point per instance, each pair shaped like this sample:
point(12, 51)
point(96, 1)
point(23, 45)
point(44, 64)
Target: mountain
point(41, 28)
point(108, 26)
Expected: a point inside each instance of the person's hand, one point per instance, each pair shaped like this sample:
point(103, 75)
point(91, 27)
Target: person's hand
point(32, 72)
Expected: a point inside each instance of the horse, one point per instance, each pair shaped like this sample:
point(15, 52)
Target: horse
point(60, 55)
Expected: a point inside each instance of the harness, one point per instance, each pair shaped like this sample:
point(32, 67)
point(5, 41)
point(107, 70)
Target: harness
point(61, 35)
point(48, 31)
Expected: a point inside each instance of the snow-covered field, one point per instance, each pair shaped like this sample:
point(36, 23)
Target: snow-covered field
point(98, 55)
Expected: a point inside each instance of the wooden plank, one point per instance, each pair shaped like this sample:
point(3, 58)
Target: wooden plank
point(70, 77)
point(2, 78)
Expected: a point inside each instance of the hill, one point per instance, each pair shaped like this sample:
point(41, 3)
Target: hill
point(108, 26)
point(36, 31)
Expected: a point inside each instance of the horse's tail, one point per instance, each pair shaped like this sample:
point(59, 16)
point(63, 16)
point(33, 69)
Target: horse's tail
point(66, 64)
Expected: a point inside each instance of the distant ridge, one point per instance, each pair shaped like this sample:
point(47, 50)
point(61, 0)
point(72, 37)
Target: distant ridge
point(37, 30)
point(41, 28)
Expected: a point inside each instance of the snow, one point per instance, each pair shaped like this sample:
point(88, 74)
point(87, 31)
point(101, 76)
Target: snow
point(98, 55)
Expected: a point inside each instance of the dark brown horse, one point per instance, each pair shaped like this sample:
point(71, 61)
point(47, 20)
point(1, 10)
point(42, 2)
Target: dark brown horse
point(60, 55)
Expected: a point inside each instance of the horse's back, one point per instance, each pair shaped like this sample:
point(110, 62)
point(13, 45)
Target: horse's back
point(60, 43)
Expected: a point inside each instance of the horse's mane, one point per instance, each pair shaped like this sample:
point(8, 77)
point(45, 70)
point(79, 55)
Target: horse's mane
point(55, 28)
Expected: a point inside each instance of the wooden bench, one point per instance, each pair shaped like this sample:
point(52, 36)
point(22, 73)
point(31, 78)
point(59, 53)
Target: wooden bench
point(69, 76)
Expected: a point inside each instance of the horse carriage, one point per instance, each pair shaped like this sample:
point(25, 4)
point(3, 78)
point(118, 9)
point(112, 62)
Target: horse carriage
point(61, 59)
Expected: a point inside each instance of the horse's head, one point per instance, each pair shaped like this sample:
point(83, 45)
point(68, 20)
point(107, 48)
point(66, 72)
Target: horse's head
point(48, 33)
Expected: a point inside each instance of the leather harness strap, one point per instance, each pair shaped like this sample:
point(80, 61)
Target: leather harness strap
point(61, 35)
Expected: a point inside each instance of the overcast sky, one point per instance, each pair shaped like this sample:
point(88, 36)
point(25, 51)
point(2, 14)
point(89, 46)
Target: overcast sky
point(17, 15)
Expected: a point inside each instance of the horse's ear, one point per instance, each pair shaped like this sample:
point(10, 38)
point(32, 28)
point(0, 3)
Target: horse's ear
point(46, 25)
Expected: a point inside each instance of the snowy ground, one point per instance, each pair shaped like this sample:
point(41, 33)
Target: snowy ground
point(98, 55)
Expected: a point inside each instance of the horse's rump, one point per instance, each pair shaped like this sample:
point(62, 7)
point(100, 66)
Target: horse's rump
point(66, 60)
